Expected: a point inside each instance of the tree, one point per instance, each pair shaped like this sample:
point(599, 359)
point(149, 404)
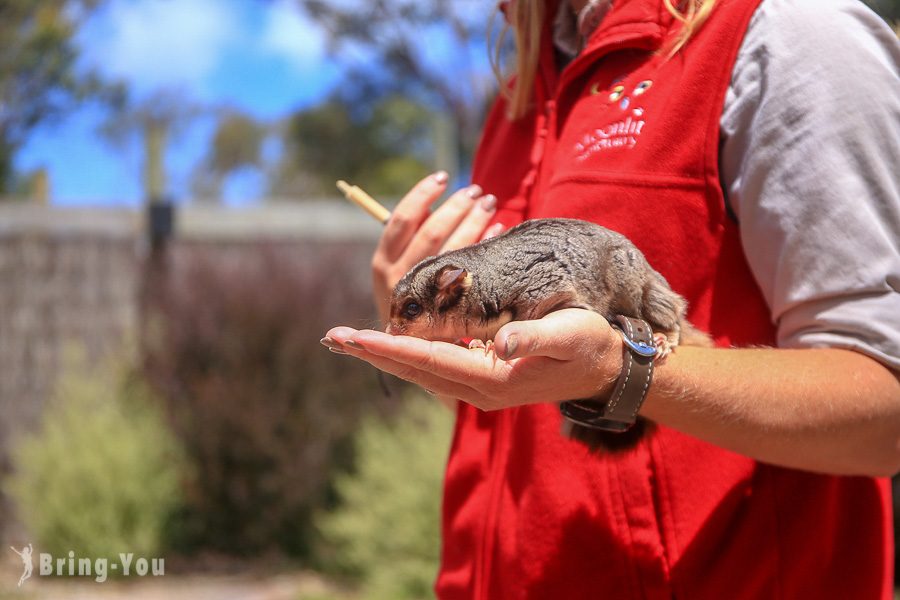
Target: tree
point(153, 119)
point(431, 52)
point(384, 148)
point(236, 144)
point(38, 75)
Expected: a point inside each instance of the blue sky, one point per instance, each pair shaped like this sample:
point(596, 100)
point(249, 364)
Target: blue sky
point(265, 58)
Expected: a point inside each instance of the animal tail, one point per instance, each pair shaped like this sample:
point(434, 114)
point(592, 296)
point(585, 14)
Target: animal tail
point(606, 441)
point(691, 336)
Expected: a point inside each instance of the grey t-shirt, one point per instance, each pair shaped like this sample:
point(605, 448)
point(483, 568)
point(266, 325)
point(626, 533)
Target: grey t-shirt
point(810, 165)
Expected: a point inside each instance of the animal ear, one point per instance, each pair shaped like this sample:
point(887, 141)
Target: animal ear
point(452, 282)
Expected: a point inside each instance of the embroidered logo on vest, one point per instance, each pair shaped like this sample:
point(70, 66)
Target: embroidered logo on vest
point(625, 131)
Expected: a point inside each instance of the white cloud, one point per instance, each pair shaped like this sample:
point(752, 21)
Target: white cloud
point(161, 43)
point(289, 35)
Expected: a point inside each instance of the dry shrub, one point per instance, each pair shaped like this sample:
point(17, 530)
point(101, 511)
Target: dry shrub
point(264, 412)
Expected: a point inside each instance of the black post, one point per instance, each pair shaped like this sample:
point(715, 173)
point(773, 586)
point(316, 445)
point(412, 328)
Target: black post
point(160, 224)
point(159, 229)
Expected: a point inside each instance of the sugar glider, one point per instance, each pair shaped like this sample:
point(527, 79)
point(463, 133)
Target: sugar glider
point(535, 268)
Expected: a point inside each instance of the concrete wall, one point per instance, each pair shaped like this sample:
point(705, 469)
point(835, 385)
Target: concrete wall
point(72, 277)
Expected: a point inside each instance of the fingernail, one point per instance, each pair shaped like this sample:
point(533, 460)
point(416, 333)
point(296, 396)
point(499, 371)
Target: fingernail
point(489, 203)
point(512, 344)
point(474, 191)
point(493, 231)
point(441, 177)
point(354, 345)
point(337, 351)
point(330, 343)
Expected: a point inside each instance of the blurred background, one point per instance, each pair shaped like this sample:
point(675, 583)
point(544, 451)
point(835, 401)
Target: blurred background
point(172, 248)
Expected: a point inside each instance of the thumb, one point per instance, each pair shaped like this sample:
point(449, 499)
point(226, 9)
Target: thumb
point(532, 338)
point(561, 335)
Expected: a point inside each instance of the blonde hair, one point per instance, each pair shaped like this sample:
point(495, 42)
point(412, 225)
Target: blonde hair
point(526, 19)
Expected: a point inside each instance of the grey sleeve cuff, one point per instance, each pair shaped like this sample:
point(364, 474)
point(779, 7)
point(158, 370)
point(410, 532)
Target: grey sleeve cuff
point(866, 323)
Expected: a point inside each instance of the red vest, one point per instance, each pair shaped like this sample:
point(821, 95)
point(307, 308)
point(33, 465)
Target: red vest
point(629, 140)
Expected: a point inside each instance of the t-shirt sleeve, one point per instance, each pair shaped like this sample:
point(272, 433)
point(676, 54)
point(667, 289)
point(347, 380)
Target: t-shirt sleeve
point(810, 164)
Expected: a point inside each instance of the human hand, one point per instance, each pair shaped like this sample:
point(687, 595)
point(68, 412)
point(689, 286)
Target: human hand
point(414, 232)
point(568, 354)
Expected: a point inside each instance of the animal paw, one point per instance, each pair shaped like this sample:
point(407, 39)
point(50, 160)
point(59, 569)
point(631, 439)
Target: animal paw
point(663, 346)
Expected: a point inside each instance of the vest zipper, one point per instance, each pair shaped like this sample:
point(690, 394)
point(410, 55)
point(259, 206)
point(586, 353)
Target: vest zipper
point(489, 534)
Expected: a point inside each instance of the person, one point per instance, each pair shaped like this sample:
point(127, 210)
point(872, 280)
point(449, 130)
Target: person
point(749, 149)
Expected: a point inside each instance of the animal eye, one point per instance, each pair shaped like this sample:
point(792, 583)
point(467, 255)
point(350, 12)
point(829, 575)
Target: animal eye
point(411, 310)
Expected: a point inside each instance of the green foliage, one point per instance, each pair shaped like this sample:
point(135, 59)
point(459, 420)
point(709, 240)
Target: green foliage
point(386, 532)
point(38, 74)
point(385, 149)
point(236, 144)
point(386, 49)
point(385, 145)
point(155, 120)
point(102, 475)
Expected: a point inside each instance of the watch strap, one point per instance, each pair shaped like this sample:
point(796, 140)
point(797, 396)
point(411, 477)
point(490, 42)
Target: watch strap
point(619, 412)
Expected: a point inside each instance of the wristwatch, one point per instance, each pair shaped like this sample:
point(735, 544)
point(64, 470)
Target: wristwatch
point(619, 412)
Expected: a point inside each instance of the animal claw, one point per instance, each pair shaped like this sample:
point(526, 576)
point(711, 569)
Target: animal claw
point(487, 346)
point(663, 346)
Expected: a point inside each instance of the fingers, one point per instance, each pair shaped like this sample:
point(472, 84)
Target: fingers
point(414, 232)
point(472, 227)
point(568, 354)
point(468, 375)
point(440, 226)
point(409, 214)
point(453, 362)
point(401, 366)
